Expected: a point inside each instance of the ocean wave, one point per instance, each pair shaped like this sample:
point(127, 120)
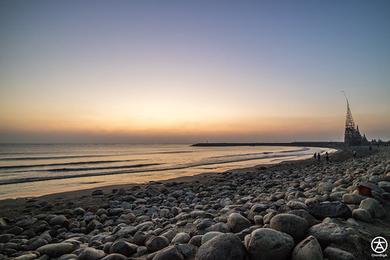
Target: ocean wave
point(166, 168)
point(97, 168)
point(55, 157)
point(65, 163)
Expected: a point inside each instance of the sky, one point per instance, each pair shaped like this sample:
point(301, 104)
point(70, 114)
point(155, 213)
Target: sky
point(192, 71)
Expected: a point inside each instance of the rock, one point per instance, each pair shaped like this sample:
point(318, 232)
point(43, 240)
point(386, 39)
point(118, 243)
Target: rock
point(333, 253)
point(15, 230)
point(114, 257)
point(181, 238)
point(385, 185)
point(306, 215)
point(334, 209)
point(362, 215)
point(353, 198)
point(56, 249)
point(237, 222)
point(225, 246)
point(97, 193)
point(373, 207)
point(122, 247)
point(204, 223)
point(4, 238)
point(294, 204)
point(328, 232)
point(266, 243)
point(196, 240)
point(256, 209)
point(258, 219)
point(156, 243)
point(221, 227)
point(325, 187)
point(291, 224)
point(210, 235)
point(367, 188)
point(59, 220)
point(169, 253)
point(188, 251)
point(29, 256)
point(67, 257)
point(79, 211)
point(91, 253)
point(267, 217)
point(309, 248)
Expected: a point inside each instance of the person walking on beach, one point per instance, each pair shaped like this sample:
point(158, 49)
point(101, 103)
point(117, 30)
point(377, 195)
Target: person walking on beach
point(327, 157)
point(319, 156)
point(315, 156)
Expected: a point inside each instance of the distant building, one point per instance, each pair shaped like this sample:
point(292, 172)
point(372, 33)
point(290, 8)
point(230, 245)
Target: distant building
point(352, 134)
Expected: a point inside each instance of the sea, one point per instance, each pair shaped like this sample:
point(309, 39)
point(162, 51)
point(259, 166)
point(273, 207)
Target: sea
point(28, 170)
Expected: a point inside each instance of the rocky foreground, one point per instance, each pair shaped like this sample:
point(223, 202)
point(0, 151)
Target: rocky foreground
point(294, 211)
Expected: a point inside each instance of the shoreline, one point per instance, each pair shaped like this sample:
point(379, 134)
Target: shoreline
point(137, 177)
point(11, 206)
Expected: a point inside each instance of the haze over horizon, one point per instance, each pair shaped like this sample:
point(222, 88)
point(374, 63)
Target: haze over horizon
point(184, 72)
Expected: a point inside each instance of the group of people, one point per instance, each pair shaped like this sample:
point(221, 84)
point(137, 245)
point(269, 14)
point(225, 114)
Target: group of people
point(317, 156)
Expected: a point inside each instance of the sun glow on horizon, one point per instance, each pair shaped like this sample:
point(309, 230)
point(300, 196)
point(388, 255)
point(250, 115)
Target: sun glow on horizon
point(192, 71)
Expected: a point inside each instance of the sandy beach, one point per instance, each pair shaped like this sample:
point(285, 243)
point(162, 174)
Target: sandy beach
point(295, 210)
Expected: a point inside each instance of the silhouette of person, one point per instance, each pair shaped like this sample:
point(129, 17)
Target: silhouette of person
point(327, 157)
point(315, 156)
point(319, 156)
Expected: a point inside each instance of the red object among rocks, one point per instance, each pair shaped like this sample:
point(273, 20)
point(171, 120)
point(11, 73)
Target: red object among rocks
point(365, 188)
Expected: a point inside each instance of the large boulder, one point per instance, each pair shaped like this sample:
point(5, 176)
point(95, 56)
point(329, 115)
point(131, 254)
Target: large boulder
point(328, 232)
point(237, 222)
point(373, 207)
point(353, 198)
point(225, 246)
point(362, 215)
point(334, 209)
point(169, 253)
point(56, 249)
point(266, 243)
point(309, 248)
point(290, 224)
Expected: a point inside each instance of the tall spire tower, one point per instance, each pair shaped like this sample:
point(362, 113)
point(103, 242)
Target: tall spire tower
point(352, 135)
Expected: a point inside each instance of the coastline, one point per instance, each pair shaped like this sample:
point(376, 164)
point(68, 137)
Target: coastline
point(59, 179)
point(301, 201)
point(11, 206)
